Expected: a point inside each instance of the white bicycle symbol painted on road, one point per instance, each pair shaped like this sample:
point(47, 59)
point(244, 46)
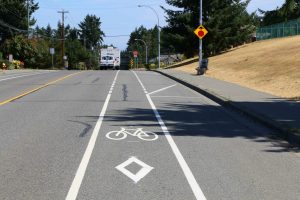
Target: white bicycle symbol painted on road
point(123, 133)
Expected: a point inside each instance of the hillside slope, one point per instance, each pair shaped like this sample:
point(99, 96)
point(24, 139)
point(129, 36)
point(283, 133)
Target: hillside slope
point(271, 66)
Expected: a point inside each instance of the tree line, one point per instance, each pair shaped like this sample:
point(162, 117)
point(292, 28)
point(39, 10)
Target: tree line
point(288, 11)
point(227, 21)
point(32, 48)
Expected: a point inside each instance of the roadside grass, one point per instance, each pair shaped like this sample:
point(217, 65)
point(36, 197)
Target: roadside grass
point(271, 66)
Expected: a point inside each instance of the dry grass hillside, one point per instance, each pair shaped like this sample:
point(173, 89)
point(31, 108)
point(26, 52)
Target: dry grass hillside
point(271, 66)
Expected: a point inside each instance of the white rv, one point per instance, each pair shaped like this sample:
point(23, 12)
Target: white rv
point(110, 58)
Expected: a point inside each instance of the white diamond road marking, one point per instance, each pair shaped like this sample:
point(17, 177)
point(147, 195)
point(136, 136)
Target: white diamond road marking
point(140, 174)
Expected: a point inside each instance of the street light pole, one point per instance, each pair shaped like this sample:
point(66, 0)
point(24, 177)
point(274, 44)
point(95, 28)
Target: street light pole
point(200, 40)
point(146, 49)
point(158, 27)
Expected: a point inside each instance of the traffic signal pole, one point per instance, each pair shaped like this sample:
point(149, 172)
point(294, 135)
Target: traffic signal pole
point(200, 40)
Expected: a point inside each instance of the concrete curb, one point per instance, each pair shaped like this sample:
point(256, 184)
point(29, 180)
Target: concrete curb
point(288, 133)
point(182, 63)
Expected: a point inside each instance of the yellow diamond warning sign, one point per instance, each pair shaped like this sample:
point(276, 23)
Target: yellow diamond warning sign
point(201, 32)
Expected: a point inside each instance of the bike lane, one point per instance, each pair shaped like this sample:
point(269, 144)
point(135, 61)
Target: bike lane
point(132, 168)
point(230, 156)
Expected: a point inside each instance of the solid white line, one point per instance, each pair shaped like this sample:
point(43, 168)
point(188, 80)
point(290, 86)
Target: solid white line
point(14, 77)
point(140, 83)
point(156, 91)
point(184, 166)
point(74, 189)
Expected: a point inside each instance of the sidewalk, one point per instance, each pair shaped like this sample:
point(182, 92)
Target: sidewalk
point(272, 111)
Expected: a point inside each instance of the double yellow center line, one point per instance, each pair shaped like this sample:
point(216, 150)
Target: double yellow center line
point(36, 89)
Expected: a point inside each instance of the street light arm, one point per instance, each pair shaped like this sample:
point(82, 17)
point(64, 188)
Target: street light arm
point(141, 41)
point(158, 30)
point(146, 49)
point(153, 11)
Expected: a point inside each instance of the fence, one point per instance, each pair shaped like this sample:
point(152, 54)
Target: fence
point(285, 29)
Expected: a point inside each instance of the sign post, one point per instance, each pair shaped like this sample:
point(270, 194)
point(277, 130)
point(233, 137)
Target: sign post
point(135, 55)
point(66, 64)
point(200, 32)
point(10, 58)
point(200, 40)
point(52, 51)
point(131, 63)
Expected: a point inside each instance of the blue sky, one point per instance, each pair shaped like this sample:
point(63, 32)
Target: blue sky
point(118, 17)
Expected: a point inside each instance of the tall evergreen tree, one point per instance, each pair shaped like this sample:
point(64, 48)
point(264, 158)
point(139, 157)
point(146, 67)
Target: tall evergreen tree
point(288, 11)
point(227, 21)
point(91, 33)
point(49, 31)
point(147, 35)
point(13, 17)
point(288, 8)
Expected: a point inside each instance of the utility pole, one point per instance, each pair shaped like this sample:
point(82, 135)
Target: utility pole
point(28, 23)
point(63, 33)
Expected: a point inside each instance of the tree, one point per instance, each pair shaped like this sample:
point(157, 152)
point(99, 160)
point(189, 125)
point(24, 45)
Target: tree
point(288, 11)
point(76, 53)
point(48, 31)
point(13, 17)
point(33, 52)
point(227, 21)
point(58, 31)
point(149, 36)
point(73, 34)
point(91, 34)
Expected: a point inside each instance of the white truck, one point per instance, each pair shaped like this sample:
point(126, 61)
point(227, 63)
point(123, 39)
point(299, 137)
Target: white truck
point(110, 58)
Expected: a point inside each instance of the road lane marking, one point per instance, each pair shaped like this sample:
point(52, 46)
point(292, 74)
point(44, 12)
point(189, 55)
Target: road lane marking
point(19, 76)
point(184, 166)
point(162, 89)
point(18, 73)
point(142, 85)
point(145, 169)
point(74, 189)
point(137, 132)
point(36, 89)
point(6, 75)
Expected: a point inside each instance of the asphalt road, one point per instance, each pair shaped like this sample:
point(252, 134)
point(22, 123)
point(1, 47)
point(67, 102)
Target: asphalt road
point(132, 135)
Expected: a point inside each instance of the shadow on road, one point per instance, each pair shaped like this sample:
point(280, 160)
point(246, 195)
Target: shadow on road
point(197, 121)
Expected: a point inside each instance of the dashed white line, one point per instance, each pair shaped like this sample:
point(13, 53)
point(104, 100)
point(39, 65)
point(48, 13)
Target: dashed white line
point(19, 76)
point(184, 166)
point(74, 189)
